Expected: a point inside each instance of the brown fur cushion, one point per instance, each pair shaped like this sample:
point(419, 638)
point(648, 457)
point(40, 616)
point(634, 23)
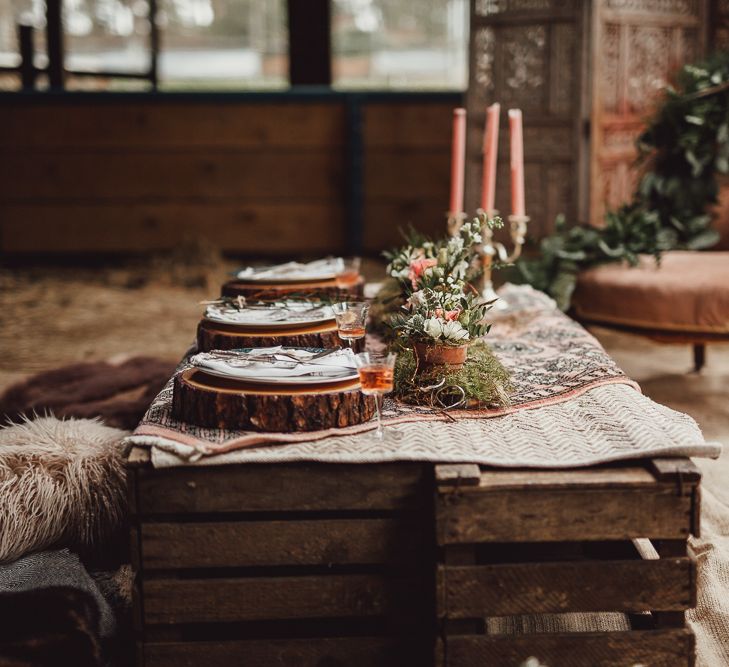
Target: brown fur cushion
point(118, 393)
point(62, 482)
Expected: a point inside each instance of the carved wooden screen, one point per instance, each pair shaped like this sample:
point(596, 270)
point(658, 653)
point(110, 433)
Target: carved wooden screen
point(637, 46)
point(719, 25)
point(527, 54)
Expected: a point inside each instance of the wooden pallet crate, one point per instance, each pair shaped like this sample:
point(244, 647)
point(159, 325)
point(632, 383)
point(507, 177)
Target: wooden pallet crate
point(287, 564)
point(605, 539)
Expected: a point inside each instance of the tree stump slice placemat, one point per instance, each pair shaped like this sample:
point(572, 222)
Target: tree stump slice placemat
point(253, 289)
point(216, 336)
point(210, 401)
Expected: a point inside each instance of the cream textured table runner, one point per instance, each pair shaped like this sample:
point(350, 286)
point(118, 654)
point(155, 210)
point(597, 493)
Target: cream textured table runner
point(571, 406)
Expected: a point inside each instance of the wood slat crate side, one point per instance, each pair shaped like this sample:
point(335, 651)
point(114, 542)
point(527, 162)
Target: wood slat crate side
point(457, 474)
point(606, 477)
point(273, 543)
point(309, 652)
point(657, 648)
point(534, 588)
point(408, 125)
point(251, 227)
point(579, 514)
point(183, 175)
point(162, 125)
point(302, 487)
point(266, 598)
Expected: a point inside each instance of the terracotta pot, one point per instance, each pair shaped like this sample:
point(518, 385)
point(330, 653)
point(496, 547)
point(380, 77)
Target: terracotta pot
point(430, 355)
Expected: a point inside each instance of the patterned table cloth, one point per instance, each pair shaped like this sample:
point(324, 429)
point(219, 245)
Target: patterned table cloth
point(571, 406)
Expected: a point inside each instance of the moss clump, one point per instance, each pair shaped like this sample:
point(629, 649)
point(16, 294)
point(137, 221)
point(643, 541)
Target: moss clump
point(483, 378)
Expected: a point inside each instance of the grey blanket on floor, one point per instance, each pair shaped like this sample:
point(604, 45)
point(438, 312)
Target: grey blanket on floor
point(52, 569)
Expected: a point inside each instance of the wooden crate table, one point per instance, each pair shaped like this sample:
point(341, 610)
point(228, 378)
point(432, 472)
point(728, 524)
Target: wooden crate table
point(516, 542)
point(287, 564)
point(312, 564)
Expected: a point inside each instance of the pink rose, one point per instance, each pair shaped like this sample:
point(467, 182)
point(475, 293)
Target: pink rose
point(453, 315)
point(418, 268)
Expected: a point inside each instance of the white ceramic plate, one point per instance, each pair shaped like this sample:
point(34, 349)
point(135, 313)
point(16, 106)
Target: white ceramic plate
point(257, 375)
point(293, 272)
point(303, 380)
point(267, 318)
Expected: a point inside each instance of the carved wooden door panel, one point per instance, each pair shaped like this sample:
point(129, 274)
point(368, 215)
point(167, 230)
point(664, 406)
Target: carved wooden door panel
point(719, 25)
point(637, 46)
point(527, 54)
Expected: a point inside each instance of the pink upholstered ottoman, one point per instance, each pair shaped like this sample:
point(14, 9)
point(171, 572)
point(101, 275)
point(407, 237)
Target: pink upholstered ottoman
point(684, 300)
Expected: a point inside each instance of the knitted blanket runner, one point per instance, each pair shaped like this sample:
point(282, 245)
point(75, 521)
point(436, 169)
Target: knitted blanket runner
point(571, 406)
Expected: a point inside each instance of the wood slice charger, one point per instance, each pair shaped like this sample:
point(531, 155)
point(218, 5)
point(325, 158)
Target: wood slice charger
point(333, 288)
point(217, 336)
point(214, 402)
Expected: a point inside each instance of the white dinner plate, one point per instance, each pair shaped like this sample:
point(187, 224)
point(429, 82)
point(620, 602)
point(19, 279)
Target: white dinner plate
point(273, 318)
point(293, 272)
point(303, 380)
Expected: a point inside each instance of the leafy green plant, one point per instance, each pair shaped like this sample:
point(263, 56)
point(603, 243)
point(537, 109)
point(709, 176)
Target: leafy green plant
point(442, 314)
point(428, 296)
point(683, 148)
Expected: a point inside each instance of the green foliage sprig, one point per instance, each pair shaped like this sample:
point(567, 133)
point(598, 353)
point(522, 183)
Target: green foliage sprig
point(428, 296)
point(682, 149)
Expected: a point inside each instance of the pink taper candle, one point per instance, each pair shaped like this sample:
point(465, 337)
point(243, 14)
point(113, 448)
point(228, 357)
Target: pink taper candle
point(490, 152)
point(458, 160)
point(517, 162)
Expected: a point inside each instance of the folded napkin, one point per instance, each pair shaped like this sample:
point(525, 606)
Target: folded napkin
point(320, 268)
point(275, 362)
point(294, 311)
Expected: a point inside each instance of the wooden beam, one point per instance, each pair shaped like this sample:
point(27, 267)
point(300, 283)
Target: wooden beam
point(309, 42)
point(27, 59)
point(54, 40)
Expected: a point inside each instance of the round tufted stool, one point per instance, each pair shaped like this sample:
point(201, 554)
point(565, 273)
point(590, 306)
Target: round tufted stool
point(685, 299)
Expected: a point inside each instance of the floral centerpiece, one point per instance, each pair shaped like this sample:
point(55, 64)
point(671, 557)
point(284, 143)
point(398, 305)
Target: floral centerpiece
point(440, 322)
point(437, 312)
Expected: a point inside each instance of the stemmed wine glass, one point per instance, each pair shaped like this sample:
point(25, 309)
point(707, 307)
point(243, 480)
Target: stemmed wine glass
point(376, 376)
point(351, 319)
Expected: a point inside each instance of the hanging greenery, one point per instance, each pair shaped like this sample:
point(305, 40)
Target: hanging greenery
point(683, 148)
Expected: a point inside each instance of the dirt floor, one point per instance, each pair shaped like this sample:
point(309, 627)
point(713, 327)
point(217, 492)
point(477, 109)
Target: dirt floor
point(54, 315)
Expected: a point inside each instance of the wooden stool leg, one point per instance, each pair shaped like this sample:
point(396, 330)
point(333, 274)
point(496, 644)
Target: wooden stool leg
point(699, 356)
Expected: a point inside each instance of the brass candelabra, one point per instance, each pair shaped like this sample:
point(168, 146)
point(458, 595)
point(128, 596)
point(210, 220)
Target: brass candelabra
point(489, 251)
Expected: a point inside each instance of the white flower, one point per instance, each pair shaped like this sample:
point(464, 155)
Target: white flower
point(459, 270)
point(417, 299)
point(453, 330)
point(433, 327)
point(455, 244)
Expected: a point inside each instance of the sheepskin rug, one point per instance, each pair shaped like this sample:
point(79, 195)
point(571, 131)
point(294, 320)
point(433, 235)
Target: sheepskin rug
point(62, 483)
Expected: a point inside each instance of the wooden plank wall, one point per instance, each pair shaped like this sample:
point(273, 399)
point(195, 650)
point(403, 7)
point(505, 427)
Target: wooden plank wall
point(85, 175)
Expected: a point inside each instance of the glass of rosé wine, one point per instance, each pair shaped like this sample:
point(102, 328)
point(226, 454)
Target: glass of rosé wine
point(349, 273)
point(376, 376)
point(351, 319)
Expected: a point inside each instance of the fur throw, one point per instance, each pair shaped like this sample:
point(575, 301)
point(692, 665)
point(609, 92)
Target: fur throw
point(62, 483)
point(119, 393)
